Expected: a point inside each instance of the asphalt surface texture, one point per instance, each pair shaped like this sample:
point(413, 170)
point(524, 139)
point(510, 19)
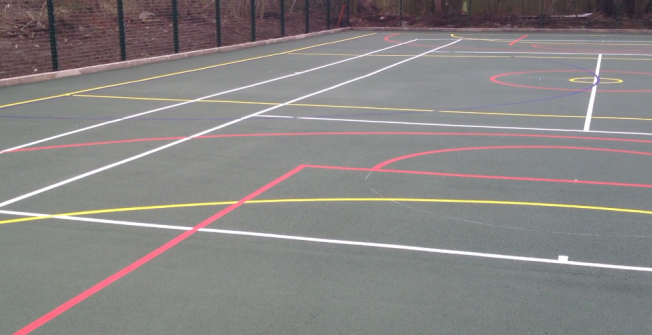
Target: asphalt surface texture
point(355, 183)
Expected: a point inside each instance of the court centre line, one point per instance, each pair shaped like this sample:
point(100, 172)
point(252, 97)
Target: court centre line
point(596, 82)
point(366, 244)
point(177, 73)
point(195, 100)
point(70, 180)
point(453, 125)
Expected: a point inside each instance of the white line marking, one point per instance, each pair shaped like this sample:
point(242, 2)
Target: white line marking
point(455, 125)
point(199, 99)
point(70, 180)
point(559, 261)
point(596, 81)
point(539, 53)
point(87, 219)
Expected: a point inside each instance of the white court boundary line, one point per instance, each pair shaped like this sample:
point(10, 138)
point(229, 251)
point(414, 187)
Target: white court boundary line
point(559, 261)
point(199, 99)
point(596, 81)
point(453, 125)
point(90, 173)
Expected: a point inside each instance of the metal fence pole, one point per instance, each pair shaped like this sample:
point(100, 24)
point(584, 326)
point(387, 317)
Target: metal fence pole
point(307, 10)
point(121, 29)
point(175, 25)
point(468, 13)
point(218, 21)
point(400, 13)
point(253, 20)
point(53, 36)
point(348, 13)
point(328, 14)
point(282, 18)
point(541, 16)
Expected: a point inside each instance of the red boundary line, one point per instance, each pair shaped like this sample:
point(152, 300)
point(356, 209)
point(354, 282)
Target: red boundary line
point(517, 40)
point(330, 134)
point(396, 159)
point(443, 174)
point(135, 265)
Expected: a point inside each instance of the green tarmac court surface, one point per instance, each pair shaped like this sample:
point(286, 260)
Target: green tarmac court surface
point(352, 183)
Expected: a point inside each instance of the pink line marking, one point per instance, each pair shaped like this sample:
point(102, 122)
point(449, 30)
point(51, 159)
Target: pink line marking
point(393, 160)
point(135, 265)
point(332, 133)
point(459, 175)
point(517, 40)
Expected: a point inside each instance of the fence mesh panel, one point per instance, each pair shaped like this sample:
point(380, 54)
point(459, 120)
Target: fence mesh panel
point(88, 32)
point(197, 25)
point(24, 38)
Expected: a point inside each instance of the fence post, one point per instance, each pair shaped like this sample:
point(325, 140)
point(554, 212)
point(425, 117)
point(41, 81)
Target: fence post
point(541, 16)
point(468, 13)
point(400, 13)
point(53, 36)
point(348, 13)
point(253, 20)
point(307, 10)
point(218, 21)
point(282, 18)
point(175, 26)
point(121, 29)
point(328, 14)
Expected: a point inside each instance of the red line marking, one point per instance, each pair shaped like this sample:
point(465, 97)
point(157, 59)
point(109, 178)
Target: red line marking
point(393, 160)
point(135, 265)
point(459, 175)
point(517, 40)
point(333, 133)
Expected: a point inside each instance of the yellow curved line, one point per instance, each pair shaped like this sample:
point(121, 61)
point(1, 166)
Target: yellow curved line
point(177, 73)
point(271, 201)
point(561, 42)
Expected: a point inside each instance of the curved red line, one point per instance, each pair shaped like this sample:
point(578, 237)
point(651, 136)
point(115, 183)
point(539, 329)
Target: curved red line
point(606, 183)
point(393, 160)
point(333, 133)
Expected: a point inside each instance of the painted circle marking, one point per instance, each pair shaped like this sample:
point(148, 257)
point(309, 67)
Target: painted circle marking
point(589, 80)
point(496, 80)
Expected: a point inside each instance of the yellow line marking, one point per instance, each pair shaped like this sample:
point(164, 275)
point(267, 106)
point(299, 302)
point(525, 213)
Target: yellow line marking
point(515, 114)
point(547, 42)
point(466, 56)
point(256, 103)
point(274, 201)
point(589, 80)
point(177, 73)
point(397, 55)
point(364, 107)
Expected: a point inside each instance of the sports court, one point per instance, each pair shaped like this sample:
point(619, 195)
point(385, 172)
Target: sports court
point(355, 183)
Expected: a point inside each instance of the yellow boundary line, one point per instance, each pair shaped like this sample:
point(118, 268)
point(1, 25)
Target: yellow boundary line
point(364, 107)
point(178, 73)
point(552, 43)
point(465, 56)
point(272, 201)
